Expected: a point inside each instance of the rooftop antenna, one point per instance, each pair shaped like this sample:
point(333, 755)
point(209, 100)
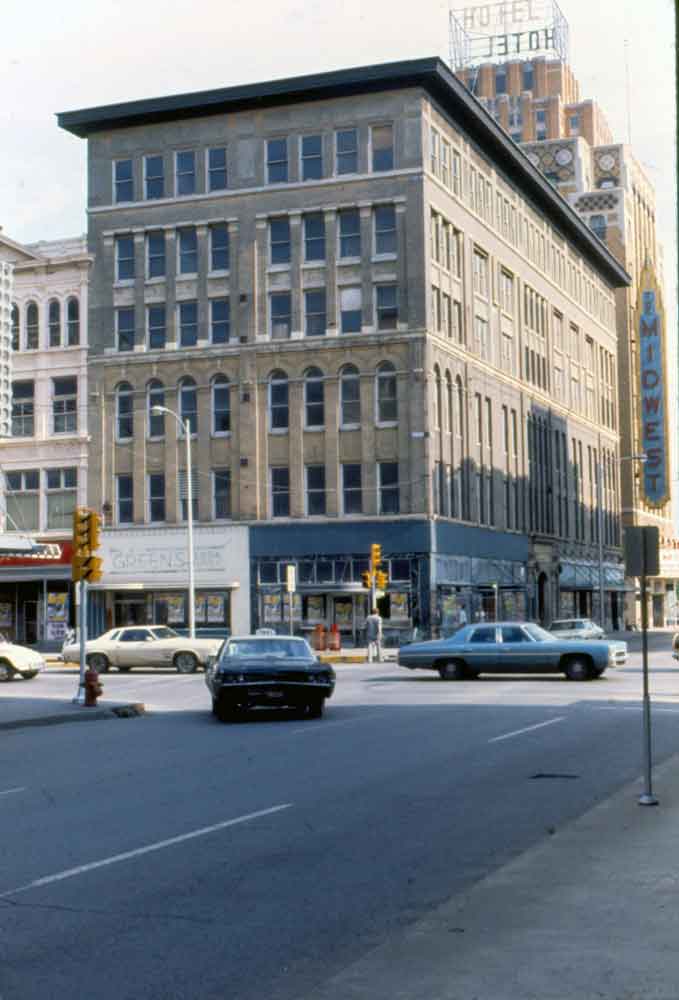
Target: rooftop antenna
point(627, 94)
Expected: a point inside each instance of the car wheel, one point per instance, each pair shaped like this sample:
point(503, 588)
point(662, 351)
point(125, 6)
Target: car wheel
point(315, 708)
point(98, 662)
point(578, 669)
point(6, 671)
point(28, 675)
point(185, 663)
point(455, 670)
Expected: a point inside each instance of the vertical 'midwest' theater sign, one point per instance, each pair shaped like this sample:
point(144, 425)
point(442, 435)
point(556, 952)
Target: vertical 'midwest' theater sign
point(652, 391)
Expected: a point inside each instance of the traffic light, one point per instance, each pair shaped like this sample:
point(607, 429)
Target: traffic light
point(381, 580)
point(92, 570)
point(94, 532)
point(375, 555)
point(81, 530)
point(367, 579)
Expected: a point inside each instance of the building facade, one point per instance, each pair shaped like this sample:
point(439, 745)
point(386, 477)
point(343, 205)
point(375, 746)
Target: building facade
point(361, 297)
point(44, 460)
point(568, 140)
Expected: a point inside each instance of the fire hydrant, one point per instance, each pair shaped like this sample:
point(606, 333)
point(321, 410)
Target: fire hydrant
point(93, 688)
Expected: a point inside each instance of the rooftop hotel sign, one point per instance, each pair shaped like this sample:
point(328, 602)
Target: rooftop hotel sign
point(653, 433)
point(507, 29)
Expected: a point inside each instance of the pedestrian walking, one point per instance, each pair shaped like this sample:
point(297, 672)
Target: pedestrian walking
point(373, 634)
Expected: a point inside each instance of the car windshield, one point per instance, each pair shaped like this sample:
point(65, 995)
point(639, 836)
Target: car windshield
point(163, 632)
point(279, 649)
point(538, 634)
point(563, 626)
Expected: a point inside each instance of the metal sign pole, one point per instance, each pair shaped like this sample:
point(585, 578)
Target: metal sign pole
point(80, 694)
point(647, 798)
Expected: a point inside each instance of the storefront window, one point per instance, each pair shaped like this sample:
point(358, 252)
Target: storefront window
point(359, 566)
point(399, 569)
point(324, 571)
point(268, 572)
point(305, 571)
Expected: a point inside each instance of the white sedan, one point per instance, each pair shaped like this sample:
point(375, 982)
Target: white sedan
point(18, 661)
point(144, 646)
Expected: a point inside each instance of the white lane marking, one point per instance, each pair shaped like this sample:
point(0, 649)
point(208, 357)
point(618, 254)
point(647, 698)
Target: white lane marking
point(10, 791)
point(528, 729)
point(147, 849)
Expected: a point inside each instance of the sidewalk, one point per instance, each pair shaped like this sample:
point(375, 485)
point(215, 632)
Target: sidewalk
point(591, 912)
point(19, 709)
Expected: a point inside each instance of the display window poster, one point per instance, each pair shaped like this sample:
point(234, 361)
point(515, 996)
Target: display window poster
point(215, 609)
point(5, 614)
point(271, 607)
point(56, 630)
point(175, 609)
point(200, 608)
point(398, 606)
point(343, 613)
point(315, 608)
point(57, 607)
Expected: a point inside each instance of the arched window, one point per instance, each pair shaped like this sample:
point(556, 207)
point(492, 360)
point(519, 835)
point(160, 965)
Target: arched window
point(437, 397)
point(54, 319)
point(73, 322)
point(15, 327)
point(188, 403)
point(460, 406)
point(387, 406)
point(155, 396)
point(314, 403)
point(450, 406)
point(350, 397)
point(221, 405)
point(124, 412)
point(279, 405)
point(32, 327)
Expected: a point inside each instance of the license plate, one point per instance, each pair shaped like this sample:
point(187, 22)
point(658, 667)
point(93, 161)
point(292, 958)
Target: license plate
point(273, 694)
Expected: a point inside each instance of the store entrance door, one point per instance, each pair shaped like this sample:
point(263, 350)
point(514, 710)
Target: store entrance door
point(349, 612)
point(30, 622)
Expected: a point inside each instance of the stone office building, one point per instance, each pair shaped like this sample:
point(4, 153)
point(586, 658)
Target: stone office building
point(382, 324)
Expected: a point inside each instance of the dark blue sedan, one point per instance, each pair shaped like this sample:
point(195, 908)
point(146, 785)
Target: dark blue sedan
point(509, 647)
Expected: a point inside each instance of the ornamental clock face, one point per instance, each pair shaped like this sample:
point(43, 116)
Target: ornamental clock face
point(563, 157)
point(607, 161)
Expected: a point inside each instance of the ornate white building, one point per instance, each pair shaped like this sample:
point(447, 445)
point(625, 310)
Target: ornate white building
point(45, 460)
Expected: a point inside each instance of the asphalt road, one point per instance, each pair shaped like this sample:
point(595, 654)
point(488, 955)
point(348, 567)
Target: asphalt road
point(174, 857)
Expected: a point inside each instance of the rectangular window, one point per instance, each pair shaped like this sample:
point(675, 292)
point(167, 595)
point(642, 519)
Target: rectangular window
point(65, 405)
point(220, 321)
point(315, 313)
point(156, 497)
point(445, 163)
point(382, 147)
point(23, 409)
point(281, 315)
point(352, 493)
point(154, 177)
point(123, 181)
point(188, 324)
point(125, 329)
point(314, 236)
point(157, 328)
point(155, 251)
point(349, 233)
point(346, 151)
point(216, 169)
point(124, 499)
point(221, 406)
point(124, 258)
point(389, 493)
point(279, 240)
point(456, 330)
point(22, 491)
point(221, 484)
point(434, 152)
point(62, 487)
point(280, 492)
point(385, 229)
point(527, 76)
point(480, 263)
point(351, 312)
point(188, 251)
point(185, 168)
point(315, 489)
point(277, 161)
point(219, 248)
point(436, 308)
point(457, 173)
point(507, 292)
point(279, 404)
point(386, 306)
point(312, 157)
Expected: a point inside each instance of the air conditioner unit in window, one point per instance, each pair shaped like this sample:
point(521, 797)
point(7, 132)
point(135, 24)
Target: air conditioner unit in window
point(245, 397)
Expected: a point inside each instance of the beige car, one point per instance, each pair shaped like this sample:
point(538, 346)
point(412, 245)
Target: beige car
point(144, 646)
point(18, 661)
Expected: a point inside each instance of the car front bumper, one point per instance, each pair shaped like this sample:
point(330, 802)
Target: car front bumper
point(272, 692)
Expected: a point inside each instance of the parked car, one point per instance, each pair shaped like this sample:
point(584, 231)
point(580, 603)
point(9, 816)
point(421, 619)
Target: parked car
point(147, 646)
point(509, 647)
point(576, 628)
point(255, 671)
point(675, 646)
point(19, 661)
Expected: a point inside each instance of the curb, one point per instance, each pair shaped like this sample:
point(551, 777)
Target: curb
point(130, 711)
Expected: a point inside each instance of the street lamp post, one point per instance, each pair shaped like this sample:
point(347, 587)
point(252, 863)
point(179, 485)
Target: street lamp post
point(185, 425)
point(600, 523)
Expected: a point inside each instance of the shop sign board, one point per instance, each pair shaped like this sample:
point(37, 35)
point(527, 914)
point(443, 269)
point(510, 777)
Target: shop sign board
point(52, 554)
point(652, 418)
